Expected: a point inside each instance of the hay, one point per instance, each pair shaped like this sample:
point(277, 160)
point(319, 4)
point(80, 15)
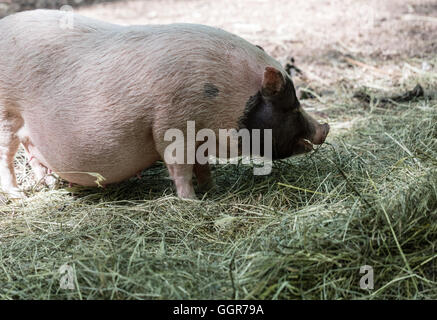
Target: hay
point(368, 197)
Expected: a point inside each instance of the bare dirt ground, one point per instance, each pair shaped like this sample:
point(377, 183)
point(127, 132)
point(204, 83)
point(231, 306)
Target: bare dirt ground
point(342, 46)
point(318, 34)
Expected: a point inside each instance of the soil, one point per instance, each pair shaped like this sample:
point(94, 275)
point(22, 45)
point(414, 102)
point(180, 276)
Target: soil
point(317, 34)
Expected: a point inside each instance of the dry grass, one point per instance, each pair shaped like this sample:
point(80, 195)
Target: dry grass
point(367, 197)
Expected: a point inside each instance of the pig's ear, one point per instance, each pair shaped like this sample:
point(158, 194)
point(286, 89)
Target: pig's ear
point(273, 82)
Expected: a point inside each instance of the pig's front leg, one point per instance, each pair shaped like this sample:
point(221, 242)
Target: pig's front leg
point(203, 175)
point(182, 175)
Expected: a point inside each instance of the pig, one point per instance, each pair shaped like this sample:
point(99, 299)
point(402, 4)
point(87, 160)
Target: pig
point(97, 98)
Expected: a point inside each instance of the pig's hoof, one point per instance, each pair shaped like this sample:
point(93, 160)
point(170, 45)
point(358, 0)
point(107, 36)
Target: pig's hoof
point(192, 198)
point(188, 196)
point(50, 181)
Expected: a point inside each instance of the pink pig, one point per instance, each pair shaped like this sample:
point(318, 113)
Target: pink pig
point(98, 98)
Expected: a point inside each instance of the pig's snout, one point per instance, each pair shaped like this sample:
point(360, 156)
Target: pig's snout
point(322, 131)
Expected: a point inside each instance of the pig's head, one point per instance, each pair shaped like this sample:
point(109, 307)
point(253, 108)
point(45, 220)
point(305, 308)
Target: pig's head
point(276, 107)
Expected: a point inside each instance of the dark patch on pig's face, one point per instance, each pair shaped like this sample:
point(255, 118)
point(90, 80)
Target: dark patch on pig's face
point(210, 91)
point(281, 114)
point(259, 47)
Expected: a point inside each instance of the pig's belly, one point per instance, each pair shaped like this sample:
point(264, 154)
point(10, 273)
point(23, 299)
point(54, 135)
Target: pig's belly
point(113, 155)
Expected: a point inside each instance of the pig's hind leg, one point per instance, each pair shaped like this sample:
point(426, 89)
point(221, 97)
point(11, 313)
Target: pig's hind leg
point(10, 123)
point(42, 174)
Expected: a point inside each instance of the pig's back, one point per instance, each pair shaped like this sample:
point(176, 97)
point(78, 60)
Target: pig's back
point(41, 38)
